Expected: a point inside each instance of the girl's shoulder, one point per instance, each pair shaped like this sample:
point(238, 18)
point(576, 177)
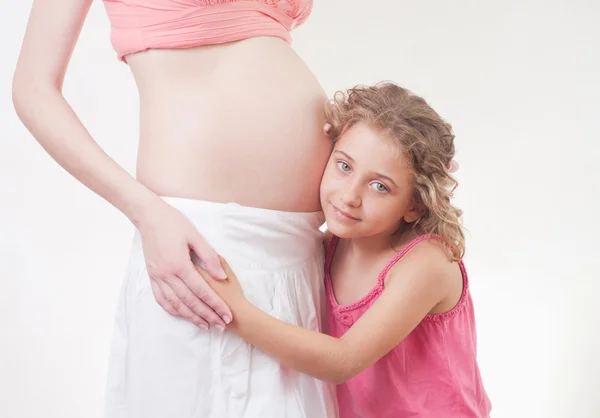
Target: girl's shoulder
point(424, 250)
point(428, 261)
point(427, 253)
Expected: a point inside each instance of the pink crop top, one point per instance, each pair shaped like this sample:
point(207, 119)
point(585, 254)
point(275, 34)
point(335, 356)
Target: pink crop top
point(138, 25)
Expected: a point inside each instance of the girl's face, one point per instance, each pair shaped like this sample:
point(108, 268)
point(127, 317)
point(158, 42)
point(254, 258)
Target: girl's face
point(367, 187)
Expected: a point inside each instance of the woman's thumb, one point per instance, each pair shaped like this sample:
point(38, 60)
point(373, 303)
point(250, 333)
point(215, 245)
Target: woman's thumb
point(208, 256)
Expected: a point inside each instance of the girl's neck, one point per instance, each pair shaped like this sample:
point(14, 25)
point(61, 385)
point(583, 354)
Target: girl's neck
point(373, 246)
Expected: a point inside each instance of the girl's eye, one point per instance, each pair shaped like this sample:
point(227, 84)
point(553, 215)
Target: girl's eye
point(380, 187)
point(343, 166)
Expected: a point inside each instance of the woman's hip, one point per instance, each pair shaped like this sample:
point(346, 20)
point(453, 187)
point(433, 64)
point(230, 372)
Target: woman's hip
point(165, 366)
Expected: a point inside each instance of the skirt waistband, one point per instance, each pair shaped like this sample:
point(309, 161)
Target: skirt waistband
point(254, 238)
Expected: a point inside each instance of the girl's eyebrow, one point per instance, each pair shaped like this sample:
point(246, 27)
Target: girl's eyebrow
point(345, 155)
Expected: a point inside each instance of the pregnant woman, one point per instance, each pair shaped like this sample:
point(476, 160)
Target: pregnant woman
point(230, 158)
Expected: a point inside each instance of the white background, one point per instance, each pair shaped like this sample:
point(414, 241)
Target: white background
point(519, 81)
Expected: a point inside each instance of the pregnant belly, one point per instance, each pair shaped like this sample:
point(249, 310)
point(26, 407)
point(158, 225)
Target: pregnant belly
point(228, 127)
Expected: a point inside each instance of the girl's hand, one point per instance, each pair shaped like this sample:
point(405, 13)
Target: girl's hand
point(230, 289)
point(168, 237)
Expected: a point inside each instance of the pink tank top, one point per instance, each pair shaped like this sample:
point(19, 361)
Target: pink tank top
point(138, 25)
point(432, 373)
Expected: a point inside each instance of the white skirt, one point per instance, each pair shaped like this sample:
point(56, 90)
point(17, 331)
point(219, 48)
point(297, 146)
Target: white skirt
point(165, 367)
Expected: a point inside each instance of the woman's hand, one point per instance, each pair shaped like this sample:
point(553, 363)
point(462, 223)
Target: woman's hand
point(230, 290)
point(168, 238)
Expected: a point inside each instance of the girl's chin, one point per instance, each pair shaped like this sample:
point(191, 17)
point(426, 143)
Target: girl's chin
point(341, 231)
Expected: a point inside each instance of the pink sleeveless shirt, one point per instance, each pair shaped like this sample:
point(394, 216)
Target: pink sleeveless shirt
point(432, 373)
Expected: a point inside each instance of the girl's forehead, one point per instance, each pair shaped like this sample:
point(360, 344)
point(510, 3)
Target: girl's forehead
point(365, 143)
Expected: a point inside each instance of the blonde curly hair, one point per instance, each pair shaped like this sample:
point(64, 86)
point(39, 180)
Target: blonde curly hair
point(424, 137)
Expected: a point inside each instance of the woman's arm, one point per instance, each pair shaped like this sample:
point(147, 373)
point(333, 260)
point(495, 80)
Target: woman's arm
point(415, 285)
point(52, 31)
point(51, 35)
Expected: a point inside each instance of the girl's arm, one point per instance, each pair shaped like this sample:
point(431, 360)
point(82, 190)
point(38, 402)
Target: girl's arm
point(51, 35)
point(414, 286)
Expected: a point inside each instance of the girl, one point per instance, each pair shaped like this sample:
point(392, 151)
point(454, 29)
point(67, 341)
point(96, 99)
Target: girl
point(400, 319)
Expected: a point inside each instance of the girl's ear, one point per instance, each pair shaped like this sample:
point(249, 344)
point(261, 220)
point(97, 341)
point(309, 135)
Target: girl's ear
point(414, 214)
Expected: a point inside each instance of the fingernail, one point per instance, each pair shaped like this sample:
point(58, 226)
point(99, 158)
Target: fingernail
point(203, 327)
point(221, 328)
point(222, 273)
point(227, 319)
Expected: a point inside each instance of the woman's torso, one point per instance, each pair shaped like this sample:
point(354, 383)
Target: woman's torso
point(237, 122)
